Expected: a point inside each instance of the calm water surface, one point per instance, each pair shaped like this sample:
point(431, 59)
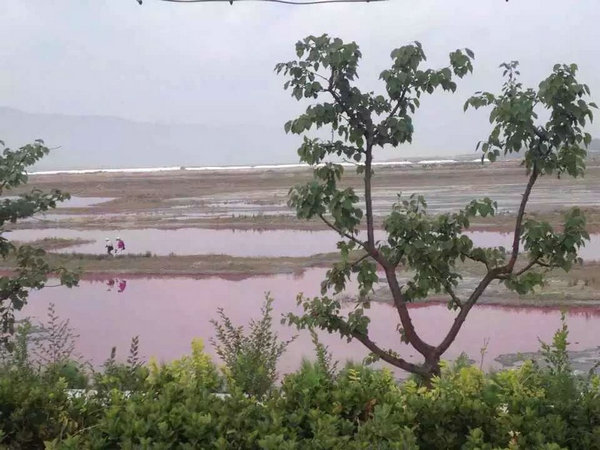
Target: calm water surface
point(269, 243)
point(168, 313)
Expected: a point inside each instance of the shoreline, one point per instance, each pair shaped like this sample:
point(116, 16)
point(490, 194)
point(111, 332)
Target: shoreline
point(250, 167)
point(243, 198)
point(579, 287)
point(78, 220)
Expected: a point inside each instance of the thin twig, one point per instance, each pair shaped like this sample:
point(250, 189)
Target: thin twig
point(362, 258)
point(342, 233)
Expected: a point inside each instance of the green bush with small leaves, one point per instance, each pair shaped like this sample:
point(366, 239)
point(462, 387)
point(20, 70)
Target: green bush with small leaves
point(35, 408)
point(186, 404)
point(250, 358)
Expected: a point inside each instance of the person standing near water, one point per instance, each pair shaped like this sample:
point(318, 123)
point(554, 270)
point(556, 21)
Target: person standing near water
point(109, 246)
point(120, 245)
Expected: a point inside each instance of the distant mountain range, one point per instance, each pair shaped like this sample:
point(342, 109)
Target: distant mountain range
point(101, 142)
point(86, 142)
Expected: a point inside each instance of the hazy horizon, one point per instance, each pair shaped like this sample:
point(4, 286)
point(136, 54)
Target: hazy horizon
point(116, 84)
point(164, 145)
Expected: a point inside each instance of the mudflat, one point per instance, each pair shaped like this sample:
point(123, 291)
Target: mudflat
point(143, 204)
point(256, 199)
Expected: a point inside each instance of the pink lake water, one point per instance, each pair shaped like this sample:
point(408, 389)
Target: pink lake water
point(268, 243)
point(167, 313)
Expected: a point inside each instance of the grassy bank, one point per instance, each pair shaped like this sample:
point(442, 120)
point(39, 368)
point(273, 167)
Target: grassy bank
point(54, 243)
point(187, 265)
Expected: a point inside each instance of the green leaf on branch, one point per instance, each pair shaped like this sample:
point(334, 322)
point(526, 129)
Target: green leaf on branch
point(31, 270)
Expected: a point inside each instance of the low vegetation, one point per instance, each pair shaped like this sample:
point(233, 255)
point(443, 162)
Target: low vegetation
point(181, 265)
point(54, 243)
point(250, 360)
point(49, 400)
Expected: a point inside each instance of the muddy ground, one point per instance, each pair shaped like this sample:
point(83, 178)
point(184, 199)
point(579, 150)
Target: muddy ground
point(583, 362)
point(257, 200)
point(579, 286)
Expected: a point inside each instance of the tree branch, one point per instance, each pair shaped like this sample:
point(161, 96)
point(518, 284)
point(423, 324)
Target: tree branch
point(352, 114)
point(542, 135)
point(452, 295)
point(342, 233)
point(352, 117)
point(496, 273)
point(317, 74)
point(341, 116)
point(336, 97)
point(368, 134)
point(448, 288)
point(362, 258)
point(526, 268)
point(395, 361)
point(462, 315)
point(409, 330)
point(519, 222)
point(479, 260)
point(397, 106)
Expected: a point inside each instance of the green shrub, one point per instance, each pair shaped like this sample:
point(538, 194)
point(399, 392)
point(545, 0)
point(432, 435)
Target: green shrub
point(130, 376)
point(359, 408)
point(72, 372)
point(180, 405)
point(35, 408)
point(196, 371)
point(175, 407)
point(250, 360)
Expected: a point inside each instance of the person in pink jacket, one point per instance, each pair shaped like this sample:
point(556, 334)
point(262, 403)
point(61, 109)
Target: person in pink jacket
point(120, 245)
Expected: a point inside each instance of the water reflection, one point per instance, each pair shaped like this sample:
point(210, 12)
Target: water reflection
point(120, 284)
point(167, 313)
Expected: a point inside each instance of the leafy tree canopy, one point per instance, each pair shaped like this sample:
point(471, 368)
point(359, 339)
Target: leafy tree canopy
point(32, 270)
point(426, 247)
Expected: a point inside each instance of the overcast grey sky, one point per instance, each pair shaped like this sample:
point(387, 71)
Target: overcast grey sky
point(212, 64)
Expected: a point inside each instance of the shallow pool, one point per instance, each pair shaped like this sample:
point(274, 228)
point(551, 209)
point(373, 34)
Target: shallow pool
point(167, 313)
point(268, 243)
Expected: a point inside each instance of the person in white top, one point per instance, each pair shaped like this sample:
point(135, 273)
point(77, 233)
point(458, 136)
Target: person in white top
point(109, 246)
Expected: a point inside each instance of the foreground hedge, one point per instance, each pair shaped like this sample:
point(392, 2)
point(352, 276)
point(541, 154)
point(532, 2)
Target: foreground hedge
point(174, 406)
